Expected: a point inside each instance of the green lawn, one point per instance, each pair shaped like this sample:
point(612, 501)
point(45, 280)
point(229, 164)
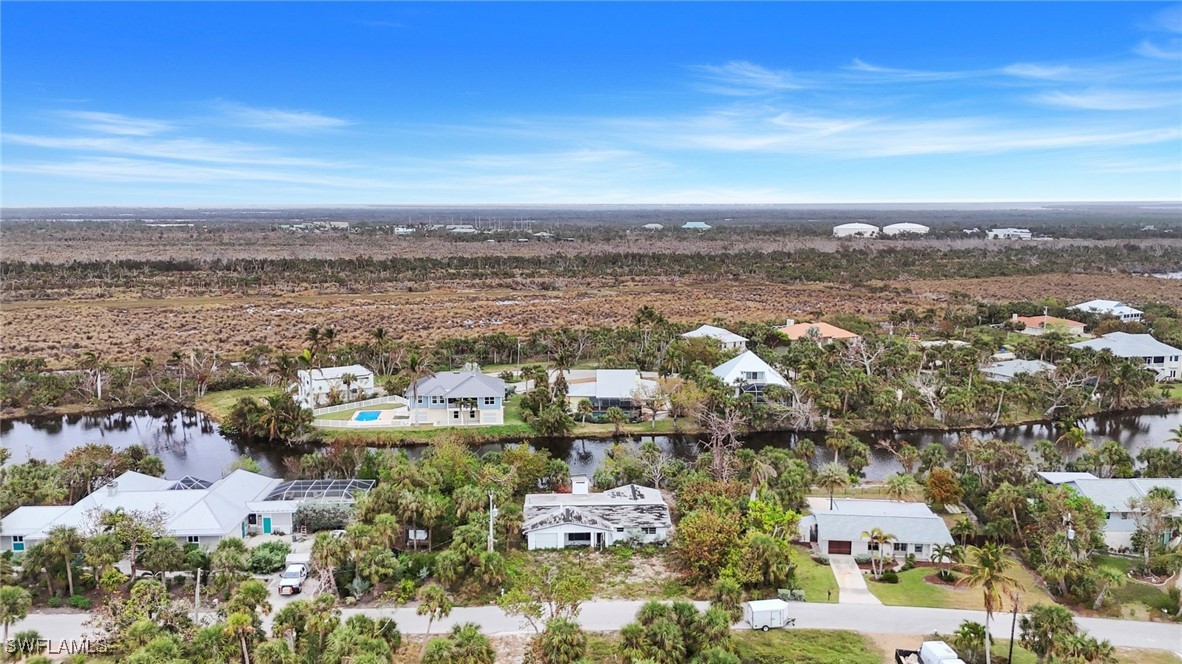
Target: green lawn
point(913, 590)
point(217, 404)
point(805, 646)
point(1133, 599)
point(815, 579)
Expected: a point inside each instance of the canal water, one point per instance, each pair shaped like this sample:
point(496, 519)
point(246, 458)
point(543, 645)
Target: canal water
point(189, 443)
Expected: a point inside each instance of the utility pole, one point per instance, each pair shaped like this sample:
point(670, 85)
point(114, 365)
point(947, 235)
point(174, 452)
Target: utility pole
point(197, 599)
point(1013, 626)
point(492, 516)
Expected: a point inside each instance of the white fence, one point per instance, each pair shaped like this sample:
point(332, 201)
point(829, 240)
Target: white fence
point(358, 404)
point(354, 424)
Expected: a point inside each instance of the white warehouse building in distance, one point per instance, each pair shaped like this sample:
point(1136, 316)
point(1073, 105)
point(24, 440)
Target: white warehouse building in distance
point(855, 229)
point(905, 227)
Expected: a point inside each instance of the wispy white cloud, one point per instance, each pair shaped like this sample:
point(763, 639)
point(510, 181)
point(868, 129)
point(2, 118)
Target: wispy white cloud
point(1109, 100)
point(741, 78)
point(115, 123)
point(182, 149)
point(1036, 71)
point(276, 119)
point(1169, 50)
point(897, 73)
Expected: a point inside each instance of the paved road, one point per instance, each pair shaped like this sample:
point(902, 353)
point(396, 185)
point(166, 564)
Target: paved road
point(851, 582)
point(611, 615)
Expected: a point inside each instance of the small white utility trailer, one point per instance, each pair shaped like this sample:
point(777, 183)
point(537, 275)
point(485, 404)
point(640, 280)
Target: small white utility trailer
point(767, 614)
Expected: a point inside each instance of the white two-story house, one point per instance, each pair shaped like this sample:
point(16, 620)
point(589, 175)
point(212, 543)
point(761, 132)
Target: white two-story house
point(1163, 360)
point(315, 386)
point(457, 398)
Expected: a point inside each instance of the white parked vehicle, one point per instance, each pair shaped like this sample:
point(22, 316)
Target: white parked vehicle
point(767, 614)
point(931, 652)
point(292, 579)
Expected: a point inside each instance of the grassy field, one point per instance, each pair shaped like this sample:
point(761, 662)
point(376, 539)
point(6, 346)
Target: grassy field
point(805, 646)
point(913, 590)
point(801, 646)
point(1133, 599)
point(217, 404)
point(815, 579)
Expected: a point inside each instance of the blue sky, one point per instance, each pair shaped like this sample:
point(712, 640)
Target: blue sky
point(449, 103)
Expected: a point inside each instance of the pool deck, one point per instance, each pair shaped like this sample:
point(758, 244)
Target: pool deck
point(383, 414)
point(388, 411)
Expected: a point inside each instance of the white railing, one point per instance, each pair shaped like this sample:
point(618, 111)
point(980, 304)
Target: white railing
point(354, 424)
point(358, 404)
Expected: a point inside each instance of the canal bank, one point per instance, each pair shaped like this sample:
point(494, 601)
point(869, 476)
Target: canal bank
point(189, 442)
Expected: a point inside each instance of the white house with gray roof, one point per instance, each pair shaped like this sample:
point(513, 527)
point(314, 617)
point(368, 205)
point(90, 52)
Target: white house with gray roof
point(457, 398)
point(1110, 308)
point(1163, 360)
point(838, 531)
point(315, 387)
point(195, 511)
point(748, 372)
point(628, 513)
point(605, 388)
point(1113, 495)
point(1008, 370)
point(725, 338)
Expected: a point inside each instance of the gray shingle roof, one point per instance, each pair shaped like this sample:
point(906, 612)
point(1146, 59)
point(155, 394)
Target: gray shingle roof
point(908, 522)
point(1123, 344)
point(628, 506)
point(458, 385)
point(1113, 494)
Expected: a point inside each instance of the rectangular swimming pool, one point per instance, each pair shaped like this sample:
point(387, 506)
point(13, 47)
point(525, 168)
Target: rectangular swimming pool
point(367, 415)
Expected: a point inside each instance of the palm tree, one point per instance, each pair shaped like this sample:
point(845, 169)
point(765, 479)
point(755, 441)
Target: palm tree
point(435, 604)
point(347, 379)
point(14, 606)
point(616, 416)
point(878, 539)
point(240, 625)
point(989, 568)
point(900, 486)
point(945, 554)
point(584, 409)
point(101, 552)
point(970, 637)
point(1176, 437)
point(761, 472)
point(284, 369)
point(964, 529)
point(832, 476)
point(65, 543)
point(1008, 498)
point(414, 368)
point(1106, 578)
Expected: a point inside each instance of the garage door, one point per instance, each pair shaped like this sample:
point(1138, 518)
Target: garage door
point(839, 546)
point(546, 541)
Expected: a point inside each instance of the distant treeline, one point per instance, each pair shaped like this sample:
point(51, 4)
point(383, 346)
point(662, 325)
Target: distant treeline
point(25, 280)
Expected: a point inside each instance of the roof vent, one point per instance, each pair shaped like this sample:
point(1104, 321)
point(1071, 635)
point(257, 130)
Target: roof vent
point(579, 484)
point(112, 488)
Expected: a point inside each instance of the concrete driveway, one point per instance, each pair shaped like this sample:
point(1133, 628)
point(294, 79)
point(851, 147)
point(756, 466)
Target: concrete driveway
point(851, 581)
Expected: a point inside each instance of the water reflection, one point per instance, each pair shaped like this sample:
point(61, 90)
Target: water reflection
point(189, 443)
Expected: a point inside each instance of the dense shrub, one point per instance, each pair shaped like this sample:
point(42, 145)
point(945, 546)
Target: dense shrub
point(269, 557)
point(79, 602)
point(889, 576)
